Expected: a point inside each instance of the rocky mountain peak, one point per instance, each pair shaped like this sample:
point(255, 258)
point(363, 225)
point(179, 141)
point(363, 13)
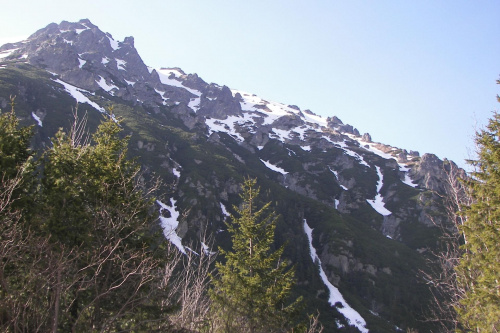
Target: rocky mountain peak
point(204, 138)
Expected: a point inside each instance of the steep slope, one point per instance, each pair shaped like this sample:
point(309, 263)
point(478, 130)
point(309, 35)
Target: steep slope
point(369, 208)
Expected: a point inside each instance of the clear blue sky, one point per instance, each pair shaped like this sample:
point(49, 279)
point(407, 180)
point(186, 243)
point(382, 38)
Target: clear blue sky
point(418, 75)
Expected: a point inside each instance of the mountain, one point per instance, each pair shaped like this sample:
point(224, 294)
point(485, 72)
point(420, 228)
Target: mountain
point(359, 218)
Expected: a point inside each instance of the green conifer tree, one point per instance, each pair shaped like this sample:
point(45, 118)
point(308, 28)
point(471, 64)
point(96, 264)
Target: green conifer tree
point(99, 218)
point(16, 155)
point(478, 272)
point(252, 290)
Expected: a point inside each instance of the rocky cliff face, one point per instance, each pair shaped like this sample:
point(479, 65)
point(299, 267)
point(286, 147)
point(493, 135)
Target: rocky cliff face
point(372, 206)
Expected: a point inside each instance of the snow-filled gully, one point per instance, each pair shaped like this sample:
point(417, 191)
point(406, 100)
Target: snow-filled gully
point(170, 224)
point(351, 315)
point(378, 202)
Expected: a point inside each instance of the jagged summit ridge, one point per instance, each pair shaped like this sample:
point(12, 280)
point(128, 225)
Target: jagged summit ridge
point(86, 60)
point(81, 55)
point(84, 56)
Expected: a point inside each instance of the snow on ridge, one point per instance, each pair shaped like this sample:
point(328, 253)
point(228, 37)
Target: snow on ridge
point(273, 110)
point(378, 203)
point(351, 315)
point(169, 71)
point(79, 31)
point(274, 167)
point(370, 146)
point(7, 53)
point(170, 224)
point(113, 43)
point(227, 125)
point(164, 78)
point(76, 93)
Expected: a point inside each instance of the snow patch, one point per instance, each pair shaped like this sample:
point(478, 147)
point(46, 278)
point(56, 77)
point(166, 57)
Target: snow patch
point(104, 60)
point(130, 83)
point(170, 224)
point(82, 62)
point(352, 316)
point(176, 173)
point(408, 181)
point(104, 85)
point(79, 31)
point(120, 64)
point(113, 43)
point(226, 126)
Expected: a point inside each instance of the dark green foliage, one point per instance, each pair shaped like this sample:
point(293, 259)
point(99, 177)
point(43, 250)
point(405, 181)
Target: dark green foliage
point(479, 269)
point(252, 289)
point(88, 257)
point(16, 155)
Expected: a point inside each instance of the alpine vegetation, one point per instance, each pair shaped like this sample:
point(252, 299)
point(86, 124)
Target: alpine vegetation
point(143, 199)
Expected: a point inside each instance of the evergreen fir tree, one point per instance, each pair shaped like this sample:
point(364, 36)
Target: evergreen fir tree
point(478, 272)
point(253, 286)
point(16, 156)
point(94, 208)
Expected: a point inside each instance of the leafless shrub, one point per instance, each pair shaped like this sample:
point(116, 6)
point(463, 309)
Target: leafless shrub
point(442, 279)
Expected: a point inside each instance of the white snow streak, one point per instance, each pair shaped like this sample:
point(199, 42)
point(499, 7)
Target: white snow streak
point(408, 181)
point(77, 94)
point(274, 167)
point(352, 316)
point(378, 202)
point(38, 120)
point(224, 210)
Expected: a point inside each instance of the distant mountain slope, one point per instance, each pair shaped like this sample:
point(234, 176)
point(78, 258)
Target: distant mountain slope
point(370, 208)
